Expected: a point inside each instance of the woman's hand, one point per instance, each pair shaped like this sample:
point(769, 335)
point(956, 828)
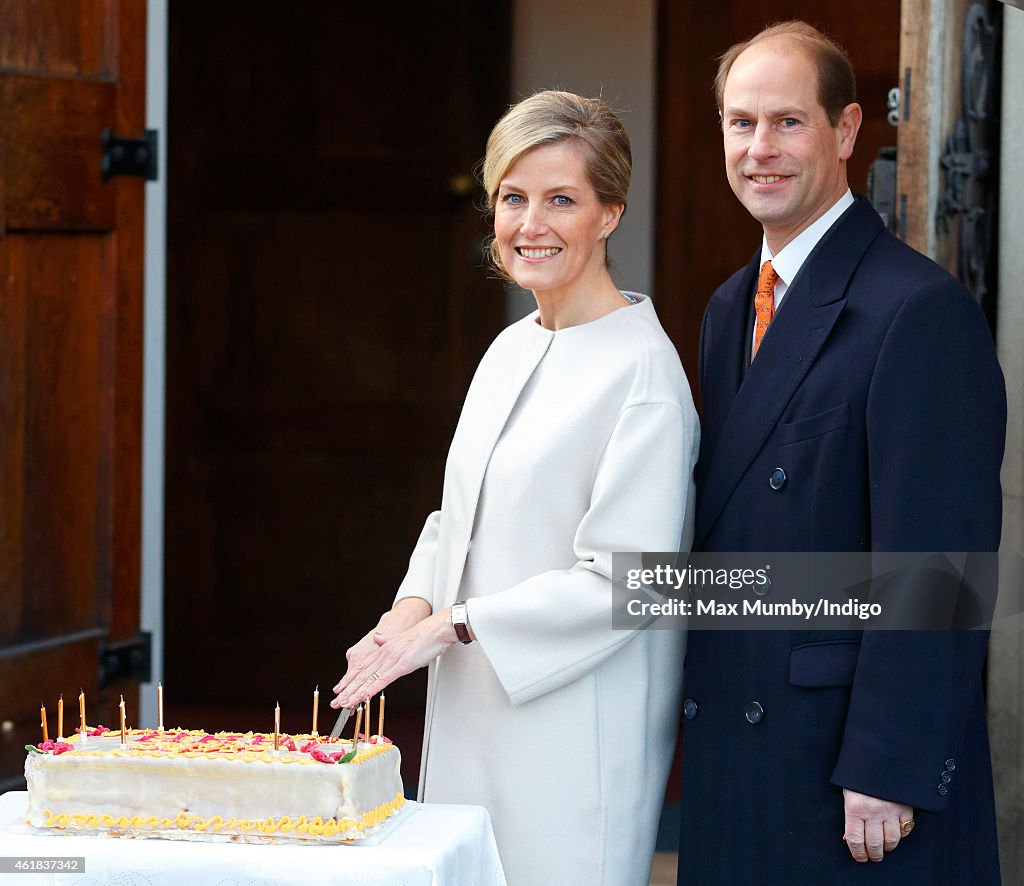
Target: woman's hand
point(393, 655)
point(405, 613)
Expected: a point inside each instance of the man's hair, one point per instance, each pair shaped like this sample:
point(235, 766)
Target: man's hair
point(837, 87)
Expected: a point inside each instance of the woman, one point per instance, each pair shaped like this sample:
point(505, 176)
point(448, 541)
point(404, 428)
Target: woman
point(577, 439)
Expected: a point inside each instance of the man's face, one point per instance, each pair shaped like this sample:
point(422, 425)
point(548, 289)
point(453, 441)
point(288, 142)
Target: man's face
point(784, 160)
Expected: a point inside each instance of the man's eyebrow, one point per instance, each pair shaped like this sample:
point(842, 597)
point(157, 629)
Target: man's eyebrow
point(779, 112)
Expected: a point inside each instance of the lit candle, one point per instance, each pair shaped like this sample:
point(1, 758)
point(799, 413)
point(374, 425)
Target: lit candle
point(42, 720)
point(60, 718)
point(367, 703)
point(160, 706)
point(359, 721)
point(124, 736)
point(316, 705)
point(277, 726)
point(380, 719)
point(81, 710)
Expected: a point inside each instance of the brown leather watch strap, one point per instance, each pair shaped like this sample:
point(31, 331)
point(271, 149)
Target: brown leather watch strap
point(460, 621)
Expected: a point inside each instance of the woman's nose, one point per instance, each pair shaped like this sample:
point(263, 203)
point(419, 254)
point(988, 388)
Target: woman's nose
point(534, 222)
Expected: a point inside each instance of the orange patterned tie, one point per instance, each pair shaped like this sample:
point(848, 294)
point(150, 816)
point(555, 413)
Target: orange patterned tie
point(764, 303)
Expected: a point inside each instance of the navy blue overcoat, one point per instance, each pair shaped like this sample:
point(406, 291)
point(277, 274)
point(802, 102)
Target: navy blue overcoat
point(877, 391)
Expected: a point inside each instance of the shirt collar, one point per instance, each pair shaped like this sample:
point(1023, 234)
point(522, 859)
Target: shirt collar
point(792, 256)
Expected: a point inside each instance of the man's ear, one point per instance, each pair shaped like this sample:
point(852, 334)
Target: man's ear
point(847, 129)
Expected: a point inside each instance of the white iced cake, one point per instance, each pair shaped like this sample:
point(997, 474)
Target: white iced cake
point(182, 784)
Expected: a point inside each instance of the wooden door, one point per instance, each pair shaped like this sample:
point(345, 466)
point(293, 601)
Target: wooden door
point(703, 233)
point(70, 361)
point(326, 309)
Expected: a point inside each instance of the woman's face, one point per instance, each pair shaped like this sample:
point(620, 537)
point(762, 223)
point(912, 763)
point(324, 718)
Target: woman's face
point(548, 222)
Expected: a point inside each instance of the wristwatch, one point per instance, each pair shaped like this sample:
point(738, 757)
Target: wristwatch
point(460, 621)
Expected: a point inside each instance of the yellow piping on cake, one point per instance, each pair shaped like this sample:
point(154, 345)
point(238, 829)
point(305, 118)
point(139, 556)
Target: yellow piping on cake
point(183, 821)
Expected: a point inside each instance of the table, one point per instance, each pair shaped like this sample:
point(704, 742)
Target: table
point(427, 845)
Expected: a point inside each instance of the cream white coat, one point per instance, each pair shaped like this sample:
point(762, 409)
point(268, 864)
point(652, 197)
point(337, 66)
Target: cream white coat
point(571, 445)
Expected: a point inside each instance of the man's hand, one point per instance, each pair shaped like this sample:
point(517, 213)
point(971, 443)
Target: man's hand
point(872, 825)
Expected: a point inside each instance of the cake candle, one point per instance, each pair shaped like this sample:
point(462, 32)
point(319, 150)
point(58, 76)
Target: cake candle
point(60, 718)
point(124, 735)
point(368, 727)
point(359, 720)
point(160, 706)
point(81, 711)
point(380, 719)
point(277, 726)
point(316, 705)
point(42, 720)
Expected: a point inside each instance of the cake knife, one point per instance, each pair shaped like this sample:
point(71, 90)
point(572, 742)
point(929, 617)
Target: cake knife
point(343, 716)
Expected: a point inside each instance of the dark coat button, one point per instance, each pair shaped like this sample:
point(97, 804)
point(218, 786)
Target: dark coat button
point(690, 709)
point(950, 764)
point(778, 479)
point(946, 778)
point(942, 790)
point(754, 712)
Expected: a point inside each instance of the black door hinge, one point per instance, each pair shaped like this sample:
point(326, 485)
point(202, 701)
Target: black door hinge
point(129, 156)
point(129, 659)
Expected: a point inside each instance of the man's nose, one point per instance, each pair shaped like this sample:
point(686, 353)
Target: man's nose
point(763, 143)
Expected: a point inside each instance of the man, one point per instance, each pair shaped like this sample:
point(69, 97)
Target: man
point(852, 402)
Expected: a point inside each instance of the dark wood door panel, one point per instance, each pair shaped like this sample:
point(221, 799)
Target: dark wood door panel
point(53, 152)
point(52, 483)
point(326, 310)
point(70, 361)
point(67, 37)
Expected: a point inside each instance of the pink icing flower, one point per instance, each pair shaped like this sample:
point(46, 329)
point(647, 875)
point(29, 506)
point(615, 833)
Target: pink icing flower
point(317, 754)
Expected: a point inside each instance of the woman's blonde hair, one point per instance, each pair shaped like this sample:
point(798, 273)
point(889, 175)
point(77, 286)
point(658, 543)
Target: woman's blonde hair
point(553, 116)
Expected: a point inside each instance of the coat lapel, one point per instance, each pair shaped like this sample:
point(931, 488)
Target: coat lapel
point(799, 331)
point(481, 425)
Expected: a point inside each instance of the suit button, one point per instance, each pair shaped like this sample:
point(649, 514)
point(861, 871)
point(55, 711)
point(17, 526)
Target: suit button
point(754, 712)
point(690, 709)
point(950, 764)
point(778, 479)
point(946, 778)
point(942, 790)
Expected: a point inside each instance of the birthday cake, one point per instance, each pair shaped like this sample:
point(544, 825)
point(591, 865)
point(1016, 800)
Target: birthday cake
point(181, 784)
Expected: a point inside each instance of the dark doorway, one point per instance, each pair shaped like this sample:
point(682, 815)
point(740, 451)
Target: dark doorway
point(326, 309)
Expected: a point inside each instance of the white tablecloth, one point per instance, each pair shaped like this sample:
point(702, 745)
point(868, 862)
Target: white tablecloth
point(428, 845)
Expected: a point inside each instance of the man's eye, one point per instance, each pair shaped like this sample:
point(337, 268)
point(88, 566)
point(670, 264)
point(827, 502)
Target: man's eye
point(790, 121)
point(741, 124)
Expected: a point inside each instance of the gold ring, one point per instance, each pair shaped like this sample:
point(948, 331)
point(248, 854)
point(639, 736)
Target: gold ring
point(374, 676)
point(906, 827)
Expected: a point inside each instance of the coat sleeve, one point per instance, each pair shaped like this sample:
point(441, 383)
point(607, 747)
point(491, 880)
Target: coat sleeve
point(419, 578)
point(553, 628)
point(935, 423)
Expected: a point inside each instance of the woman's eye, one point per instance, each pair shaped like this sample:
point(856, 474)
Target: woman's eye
point(514, 199)
point(562, 200)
